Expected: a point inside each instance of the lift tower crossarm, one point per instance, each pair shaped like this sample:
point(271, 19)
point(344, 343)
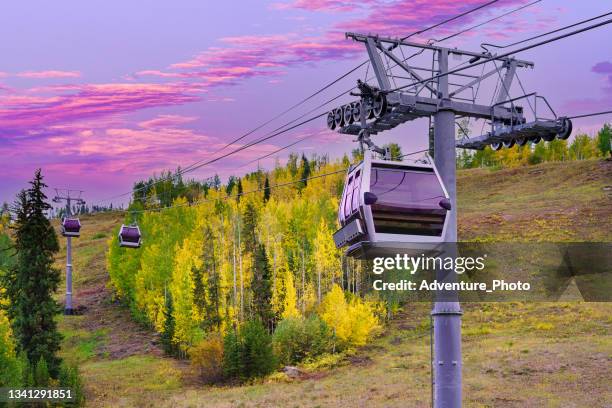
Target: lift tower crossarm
point(395, 42)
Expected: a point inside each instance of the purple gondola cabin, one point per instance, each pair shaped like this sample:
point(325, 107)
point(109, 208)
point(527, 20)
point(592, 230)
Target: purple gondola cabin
point(71, 227)
point(129, 236)
point(392, 207)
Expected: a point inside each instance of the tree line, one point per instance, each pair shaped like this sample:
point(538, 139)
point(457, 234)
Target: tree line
point(581, 147)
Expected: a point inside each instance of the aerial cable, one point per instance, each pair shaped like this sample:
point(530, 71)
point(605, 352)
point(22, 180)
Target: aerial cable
point(465, 13)
point(504, 55)
point(485, 45)
point(487, 21)
point(586, 115)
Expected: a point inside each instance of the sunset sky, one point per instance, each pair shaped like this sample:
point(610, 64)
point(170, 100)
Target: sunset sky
point(102, 93)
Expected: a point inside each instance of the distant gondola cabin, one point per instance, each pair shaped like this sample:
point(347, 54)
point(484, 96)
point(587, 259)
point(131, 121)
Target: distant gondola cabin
point(129, 236)
point(71, 227)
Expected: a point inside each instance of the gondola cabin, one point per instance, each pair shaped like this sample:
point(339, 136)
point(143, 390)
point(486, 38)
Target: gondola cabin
point(129, 236)
point(71, 227)
point(390, 207)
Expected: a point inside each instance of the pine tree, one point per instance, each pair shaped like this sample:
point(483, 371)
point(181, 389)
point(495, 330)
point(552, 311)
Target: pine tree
point(167, 335)
point(259, 360)
point(239, 190)
point(249, 228)
point(212, 304)
point(305, 173)
point(233, 365)
point(266, 195)
point(41, 373)
point(33, 280)
point(262, 287)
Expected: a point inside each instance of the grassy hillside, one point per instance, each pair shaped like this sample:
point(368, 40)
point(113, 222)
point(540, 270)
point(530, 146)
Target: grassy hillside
point(555, 354)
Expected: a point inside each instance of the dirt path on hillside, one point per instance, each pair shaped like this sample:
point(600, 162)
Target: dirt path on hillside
point(93, 300)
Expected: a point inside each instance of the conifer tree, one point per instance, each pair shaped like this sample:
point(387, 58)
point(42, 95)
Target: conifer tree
point(32, 281)
point(249, 227)
point(266, 195)
point(167, 335)
point(262, 287)
point(239, 190)
point(233, 365)
point(305, 173)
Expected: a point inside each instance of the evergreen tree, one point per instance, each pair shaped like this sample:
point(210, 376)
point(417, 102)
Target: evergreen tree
point(305, 173)
point(603, 140)
point(266, 195)
point(167, 335)
point(212, 303)
point(41, 373)
point(231, 182)
point(262, 287)
point(70, 378)
point(233, 366)
point(249, 227)
point(239, 189)
point(257, 352)
point(32, 281)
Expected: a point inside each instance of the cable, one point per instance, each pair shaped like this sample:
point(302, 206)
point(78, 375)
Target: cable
point(589, 114)
point(483, 45)
point(449, 20)
point(488, 21)
point(507, 54)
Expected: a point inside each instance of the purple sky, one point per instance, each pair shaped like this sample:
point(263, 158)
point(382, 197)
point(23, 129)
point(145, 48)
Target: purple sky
point(102, 93)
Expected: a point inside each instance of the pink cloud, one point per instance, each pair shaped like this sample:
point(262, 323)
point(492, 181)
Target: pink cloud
point(49, 74)
point(166, 121)
point(249, 56)
point(324, 5)
point(23, 115)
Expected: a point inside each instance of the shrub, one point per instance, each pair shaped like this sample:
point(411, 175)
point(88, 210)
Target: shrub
point(248, 352)
point(41, 373)
point(233, 366)
point(352, 322)
point(297, 339)
point(70, 377)
point(259, 360)
point(207, 358)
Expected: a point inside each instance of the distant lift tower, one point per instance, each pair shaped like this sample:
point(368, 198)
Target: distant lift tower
point(70, 228)
point(415, 80)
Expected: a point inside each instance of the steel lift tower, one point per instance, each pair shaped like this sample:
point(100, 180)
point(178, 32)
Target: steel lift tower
point(405, 91)
point(70, 197)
